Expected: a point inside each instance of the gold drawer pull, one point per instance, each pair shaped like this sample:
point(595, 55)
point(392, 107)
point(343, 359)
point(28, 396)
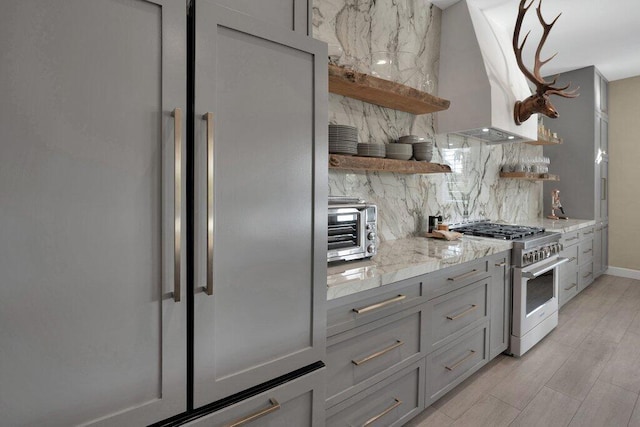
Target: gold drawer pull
point(587, 251)
point(464, 313)
point(572, 259)
point(261, 413)
point(377, 354)
point(502, 264)
point(463, 276)
point(587, 275)
point(573, 285)
point(588, 232)
point(383, 413)
point(379, 305)
point(573, 238)
point(461, 361)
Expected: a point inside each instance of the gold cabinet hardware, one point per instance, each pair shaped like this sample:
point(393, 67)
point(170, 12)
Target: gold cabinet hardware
point(208, 117)
point(587, 275)
point(573, 285)
point(366, 359)
point(461, 361)
point(261, 413)
point(177, 201)
point(379, 305)
point(572, 259)
point(502, 264)
point(464, 313)
point(587, 251)
point(463, 276)
point(573, 238)
point(372, 420)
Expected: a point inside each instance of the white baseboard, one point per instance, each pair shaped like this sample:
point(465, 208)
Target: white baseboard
point(623, 272)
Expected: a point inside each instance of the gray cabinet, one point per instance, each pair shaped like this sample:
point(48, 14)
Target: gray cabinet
point(260, 135)
point(298, 403)
point(500, 303)
point(92, 160)
point(582, 161)
point(294, 15)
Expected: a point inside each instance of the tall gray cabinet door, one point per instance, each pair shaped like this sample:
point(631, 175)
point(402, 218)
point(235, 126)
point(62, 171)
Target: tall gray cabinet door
point(261, 189)
point(90, 228)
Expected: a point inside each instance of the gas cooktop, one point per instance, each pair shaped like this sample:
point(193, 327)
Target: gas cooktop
point(499, 231)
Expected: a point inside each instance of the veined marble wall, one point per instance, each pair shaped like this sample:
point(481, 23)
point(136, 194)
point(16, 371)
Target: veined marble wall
point(474, 190)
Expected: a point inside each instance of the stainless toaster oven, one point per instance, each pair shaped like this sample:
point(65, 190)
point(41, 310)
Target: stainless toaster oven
point(352, 230)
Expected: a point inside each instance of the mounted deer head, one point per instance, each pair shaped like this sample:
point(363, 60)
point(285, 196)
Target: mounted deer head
point(539, 102)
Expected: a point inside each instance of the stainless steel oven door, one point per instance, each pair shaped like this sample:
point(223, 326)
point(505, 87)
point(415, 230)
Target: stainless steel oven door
point(535, 294)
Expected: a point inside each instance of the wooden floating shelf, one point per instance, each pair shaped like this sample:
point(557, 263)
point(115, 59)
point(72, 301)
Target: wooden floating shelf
point(530, 176)
point(382, 92)
point(337, 161)
point(542, 141)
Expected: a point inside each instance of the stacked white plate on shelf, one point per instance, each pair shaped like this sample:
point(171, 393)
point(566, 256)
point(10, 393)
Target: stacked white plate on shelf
point(399, 151)
point(371, 150)
point(343, 139)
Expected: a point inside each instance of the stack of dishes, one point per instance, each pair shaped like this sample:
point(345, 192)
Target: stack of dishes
point(371, 150)
point(411, 139)
point(399, 151)
point(423, 151)
point(343, 139)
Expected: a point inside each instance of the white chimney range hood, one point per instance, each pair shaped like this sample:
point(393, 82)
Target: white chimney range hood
point(480, 75)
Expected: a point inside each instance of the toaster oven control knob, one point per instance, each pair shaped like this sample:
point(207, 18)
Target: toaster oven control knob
point(371, 249)
point(371, 236)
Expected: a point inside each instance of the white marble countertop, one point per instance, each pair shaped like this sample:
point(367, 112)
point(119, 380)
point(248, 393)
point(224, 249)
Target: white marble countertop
point(560, 225)
point(405, 258)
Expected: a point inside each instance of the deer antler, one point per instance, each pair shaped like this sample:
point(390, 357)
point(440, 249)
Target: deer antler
point(538, 102)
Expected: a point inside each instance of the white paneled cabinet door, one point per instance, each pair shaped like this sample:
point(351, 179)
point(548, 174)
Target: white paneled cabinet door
point(260, 190)
point(91, 219)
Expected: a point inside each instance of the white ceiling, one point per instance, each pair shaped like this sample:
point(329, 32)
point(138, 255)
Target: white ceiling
point(603, 33)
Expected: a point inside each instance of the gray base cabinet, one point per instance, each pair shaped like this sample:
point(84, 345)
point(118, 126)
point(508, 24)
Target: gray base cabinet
point(579, 272)
point(394, 350)
point(298, 403)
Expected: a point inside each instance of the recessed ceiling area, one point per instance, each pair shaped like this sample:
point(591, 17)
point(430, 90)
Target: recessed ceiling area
point(603, 33)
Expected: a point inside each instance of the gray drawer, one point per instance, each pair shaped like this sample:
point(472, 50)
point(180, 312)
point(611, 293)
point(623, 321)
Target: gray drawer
point(451, 364)
point(363, 307)
point(571, 253)
point(585, 276)
point(452, 278)
point(570, 239)
point(360, 357)
point(587, 232)
point(296, 403)
point(585, 251)
point(567, 287)
point(452, 314)
point(391, 402)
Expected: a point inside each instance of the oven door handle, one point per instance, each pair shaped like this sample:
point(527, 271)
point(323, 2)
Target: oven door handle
point(543, 269)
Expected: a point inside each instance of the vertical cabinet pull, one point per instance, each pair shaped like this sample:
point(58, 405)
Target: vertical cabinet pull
point(372, 420)
point(208, 117)
point(261, 413)
point(177, 201)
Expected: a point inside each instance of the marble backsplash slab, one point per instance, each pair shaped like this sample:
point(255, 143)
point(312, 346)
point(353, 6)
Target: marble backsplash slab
point(474, 189)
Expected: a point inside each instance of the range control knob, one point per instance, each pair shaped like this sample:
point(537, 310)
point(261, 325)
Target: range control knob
point(371, 236)
point(371, 249)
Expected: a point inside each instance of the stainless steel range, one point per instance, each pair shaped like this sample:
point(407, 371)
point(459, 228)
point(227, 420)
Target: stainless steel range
point(535, 259)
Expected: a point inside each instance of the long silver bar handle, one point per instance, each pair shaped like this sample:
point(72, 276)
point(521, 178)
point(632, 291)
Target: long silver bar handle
point(208, 117)
point(261, 413)
point(397, 402)
point(544, 268)
point(177, 202)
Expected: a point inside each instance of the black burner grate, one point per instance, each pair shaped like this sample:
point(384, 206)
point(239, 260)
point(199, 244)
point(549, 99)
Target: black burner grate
point(499, 231)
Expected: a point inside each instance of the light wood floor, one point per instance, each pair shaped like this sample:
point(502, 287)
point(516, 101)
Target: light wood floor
point(584, 373)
